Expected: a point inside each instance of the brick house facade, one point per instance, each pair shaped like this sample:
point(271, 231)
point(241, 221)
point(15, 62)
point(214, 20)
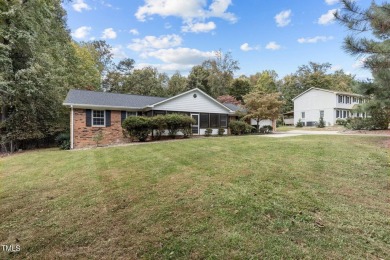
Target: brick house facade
point(100, 113)
point(84, 134)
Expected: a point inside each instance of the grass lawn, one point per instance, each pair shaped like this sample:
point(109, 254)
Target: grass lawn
point(321, 197)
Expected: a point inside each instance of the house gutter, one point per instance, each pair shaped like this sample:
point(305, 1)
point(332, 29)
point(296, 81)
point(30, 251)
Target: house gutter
point(71, 126)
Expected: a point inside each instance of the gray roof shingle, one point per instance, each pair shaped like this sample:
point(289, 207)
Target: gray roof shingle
point(107, 99)
point(234, 107)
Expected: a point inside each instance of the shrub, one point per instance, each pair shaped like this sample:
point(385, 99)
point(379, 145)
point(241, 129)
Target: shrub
point(177, 122)
point(363, 124)
point(341, 122)
point(138, 127)
point(98, 137)
point(63, 141)
point(239, 127)
point(208, 132)
point(299, 123)
point(159, 124)
point(221, 131)
point(266, 129)
point(185, 126)
point(321, 123)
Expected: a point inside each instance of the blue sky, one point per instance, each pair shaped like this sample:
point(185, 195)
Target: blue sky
point(178, 34)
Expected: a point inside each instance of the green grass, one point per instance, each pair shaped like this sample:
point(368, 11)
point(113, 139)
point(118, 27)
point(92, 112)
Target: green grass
point(247, 197)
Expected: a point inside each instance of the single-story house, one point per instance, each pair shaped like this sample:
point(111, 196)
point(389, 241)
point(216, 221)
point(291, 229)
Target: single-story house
point(331, 105)
point(92, 112)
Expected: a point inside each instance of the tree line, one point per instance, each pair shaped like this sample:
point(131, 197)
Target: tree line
point(40, 63)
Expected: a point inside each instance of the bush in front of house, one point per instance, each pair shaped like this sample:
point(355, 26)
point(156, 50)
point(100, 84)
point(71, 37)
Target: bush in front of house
point(342, 122)
point(208, 132)
point(239, 128)
point(159, 125)
point(299, 123)
point(321, 123)
point(63, 141)
point(138, 127)
point(177, 122)
point(266, 129)
point(185, 126)
point(221, 131)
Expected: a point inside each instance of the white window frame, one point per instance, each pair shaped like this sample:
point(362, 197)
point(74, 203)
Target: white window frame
point(104, 118)
point(303, 115)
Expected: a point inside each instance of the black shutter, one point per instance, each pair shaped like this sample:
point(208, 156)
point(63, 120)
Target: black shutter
point(88, 117)
point(108, 117)
point(123, 116)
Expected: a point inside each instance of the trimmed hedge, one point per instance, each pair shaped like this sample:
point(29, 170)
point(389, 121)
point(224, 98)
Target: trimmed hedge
point(239, 128)
point(138, 127)
point(141, 127)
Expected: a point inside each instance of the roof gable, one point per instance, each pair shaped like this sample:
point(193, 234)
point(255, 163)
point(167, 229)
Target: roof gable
point(194, 100)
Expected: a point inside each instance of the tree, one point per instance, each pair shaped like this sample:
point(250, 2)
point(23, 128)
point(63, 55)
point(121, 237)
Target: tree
point(177, 84)
point(239, 88)
point(36, 57)
point(221, 72)
point(267, 81)
point(86, 74)
point(147, 81)
point(116, 78)
point(228, 99)
point(199, 78)
point(261, 106)
point(370, 40)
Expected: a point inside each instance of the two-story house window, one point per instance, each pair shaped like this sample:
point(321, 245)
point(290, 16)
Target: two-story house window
point(303, 115)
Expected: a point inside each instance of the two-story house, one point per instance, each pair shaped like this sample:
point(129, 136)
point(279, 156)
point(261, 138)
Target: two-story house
point(314, 103)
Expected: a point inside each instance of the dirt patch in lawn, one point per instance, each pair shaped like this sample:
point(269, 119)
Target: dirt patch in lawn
point(373, 132)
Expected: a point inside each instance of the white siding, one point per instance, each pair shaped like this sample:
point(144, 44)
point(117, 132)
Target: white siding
point(187, 103)
point(261, 123)
point(311, 103)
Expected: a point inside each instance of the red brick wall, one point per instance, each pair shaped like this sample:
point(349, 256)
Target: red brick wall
point(83, 135)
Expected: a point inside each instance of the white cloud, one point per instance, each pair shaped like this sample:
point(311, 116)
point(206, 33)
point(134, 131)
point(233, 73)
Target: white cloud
point(283, 18)
point(184, 56)
point(81, 32)
point(189, 10)
point(332, 2)
point(359, 64)
point(109, 33)
point(327, 18)
point(247, 47)
point(315, 39)
point(273, 46)
point(134, 32)
point(153, 42)
point(79, 5)
point(198, 27)
point(118, 52)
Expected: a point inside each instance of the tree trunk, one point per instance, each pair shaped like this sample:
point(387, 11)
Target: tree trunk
point(273, 125)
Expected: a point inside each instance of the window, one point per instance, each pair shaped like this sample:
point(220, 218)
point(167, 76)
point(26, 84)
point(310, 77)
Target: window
point(303, 115)
point(348, 101)
point(340, 99)
point(98, 117)
point(223, 120)
point(322, 113)
point(155, 113)
point(204, 120)
point(354, 99)
point(344, 114)
point(337, 113)
point(214, 120)
point(131, 113)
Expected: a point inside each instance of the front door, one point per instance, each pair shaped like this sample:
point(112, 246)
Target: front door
point(195, 127)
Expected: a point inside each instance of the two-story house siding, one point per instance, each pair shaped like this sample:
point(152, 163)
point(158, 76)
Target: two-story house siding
point(314, 103)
